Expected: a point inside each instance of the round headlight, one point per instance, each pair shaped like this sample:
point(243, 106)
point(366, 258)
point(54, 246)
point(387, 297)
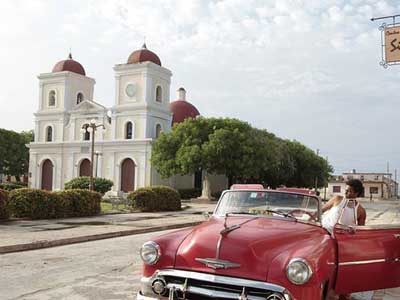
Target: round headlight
point(150, 253)
point(298, 271)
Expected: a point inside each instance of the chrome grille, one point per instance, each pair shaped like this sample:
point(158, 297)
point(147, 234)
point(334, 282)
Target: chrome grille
point(201, 286)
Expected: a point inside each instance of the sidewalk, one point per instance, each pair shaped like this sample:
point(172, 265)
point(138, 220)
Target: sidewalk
point(22, 235)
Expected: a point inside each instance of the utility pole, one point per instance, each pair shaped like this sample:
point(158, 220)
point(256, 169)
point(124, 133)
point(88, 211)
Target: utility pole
point(316, 177)
point(326, 182)
point(395, 183)
point(91, 127)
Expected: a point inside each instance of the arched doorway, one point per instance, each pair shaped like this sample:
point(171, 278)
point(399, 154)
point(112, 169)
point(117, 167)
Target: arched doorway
point(47, 175)
point(128, 175)
point(84, 168)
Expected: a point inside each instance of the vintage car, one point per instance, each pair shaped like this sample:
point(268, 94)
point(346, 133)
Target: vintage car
point(269, 245)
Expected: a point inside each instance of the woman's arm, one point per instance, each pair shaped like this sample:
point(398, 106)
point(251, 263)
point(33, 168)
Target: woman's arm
point(331, 203)
point(361, 216)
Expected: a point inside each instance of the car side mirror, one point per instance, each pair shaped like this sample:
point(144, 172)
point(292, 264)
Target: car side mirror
point(206, 215)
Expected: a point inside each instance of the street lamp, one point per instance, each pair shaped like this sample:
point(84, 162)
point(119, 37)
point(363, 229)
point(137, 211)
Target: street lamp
point(91, 128)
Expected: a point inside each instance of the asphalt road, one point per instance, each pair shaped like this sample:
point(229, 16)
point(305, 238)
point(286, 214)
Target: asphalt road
point(105, 269)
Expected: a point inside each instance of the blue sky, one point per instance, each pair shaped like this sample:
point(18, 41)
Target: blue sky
point(302, 69)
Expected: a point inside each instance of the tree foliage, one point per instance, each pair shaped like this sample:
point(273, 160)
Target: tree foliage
point(241, 152)
point(14, 155)
point(101, 185)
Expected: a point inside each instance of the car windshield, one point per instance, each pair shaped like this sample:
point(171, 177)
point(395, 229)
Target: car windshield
point(273, 203)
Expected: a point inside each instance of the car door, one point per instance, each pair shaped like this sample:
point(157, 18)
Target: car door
point(368, 257)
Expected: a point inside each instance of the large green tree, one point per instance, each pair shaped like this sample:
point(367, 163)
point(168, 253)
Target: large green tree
point(309, 168)
point(14, 155)
point(217, 146)
point(243, 153)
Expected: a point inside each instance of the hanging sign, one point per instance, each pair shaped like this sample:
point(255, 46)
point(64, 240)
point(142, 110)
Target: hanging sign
point(392, 44)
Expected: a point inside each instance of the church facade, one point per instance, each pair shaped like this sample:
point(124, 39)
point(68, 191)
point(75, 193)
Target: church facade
point(123, 138)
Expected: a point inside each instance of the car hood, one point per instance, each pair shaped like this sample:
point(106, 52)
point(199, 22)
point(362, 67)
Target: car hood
point(253, 245)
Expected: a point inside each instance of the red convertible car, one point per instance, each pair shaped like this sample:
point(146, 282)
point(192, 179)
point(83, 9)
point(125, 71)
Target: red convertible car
point(269, 245)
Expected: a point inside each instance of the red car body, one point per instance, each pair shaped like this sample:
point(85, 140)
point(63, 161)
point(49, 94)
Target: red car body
point(350, 259)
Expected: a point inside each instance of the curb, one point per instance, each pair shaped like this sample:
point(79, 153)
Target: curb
point(88, 238)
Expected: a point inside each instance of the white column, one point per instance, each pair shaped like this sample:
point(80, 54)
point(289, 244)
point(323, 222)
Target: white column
point(41, 96)
point(117, 83)
point(146, 86)
point(114, 171)
point(69, 172)
point(32, 170)
point(113, 126)
point(68, 96)
point(72, 135)
point(37, 131)
point(100, 166)
point(57, 173)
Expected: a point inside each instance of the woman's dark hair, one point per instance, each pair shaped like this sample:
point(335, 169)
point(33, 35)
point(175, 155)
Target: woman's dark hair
point(357, 186)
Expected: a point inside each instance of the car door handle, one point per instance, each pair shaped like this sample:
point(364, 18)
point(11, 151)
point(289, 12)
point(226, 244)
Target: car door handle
point(397, 236)
point(393, 259)
point(348, 230)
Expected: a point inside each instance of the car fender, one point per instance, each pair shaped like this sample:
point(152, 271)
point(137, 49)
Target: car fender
point(169, 244)
point(320, 253)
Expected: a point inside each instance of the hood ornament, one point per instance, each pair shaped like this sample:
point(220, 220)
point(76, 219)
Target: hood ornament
point(215, 263)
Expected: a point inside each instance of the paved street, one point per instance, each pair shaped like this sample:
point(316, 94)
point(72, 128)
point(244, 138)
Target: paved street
point(106, 269)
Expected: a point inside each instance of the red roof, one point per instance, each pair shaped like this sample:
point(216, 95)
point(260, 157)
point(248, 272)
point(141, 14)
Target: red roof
point(69, 65)
point(143, 55)
point(182, 110)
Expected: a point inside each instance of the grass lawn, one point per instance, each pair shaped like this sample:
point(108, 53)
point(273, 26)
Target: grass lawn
point(106, 208)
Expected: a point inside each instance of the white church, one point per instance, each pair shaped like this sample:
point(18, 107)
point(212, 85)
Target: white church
point(123, 140)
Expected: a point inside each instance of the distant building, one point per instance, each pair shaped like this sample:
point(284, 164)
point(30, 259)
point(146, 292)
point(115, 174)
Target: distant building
point(141, 111)
point(377, 185)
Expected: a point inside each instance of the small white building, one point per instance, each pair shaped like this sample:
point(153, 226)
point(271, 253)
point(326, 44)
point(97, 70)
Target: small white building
point(376, 185)
point(142, 109)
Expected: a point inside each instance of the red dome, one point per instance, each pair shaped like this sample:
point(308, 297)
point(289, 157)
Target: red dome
point(182, 110)
point(143, 55)
point(69, 65)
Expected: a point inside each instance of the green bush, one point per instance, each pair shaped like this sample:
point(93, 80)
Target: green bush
point(79, 202)
point(40, 204)
point(35, 204)
point(144, 199)
point(189, 193)
point(101, 185)
point(155, 198)
point(168, 197)
point(4, 209)
point(8, 186)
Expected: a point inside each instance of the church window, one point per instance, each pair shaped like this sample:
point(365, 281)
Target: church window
point(86, 136)
point(79, 98)
point(158, 94)
point(49, 134)
point(128, 131)
point(52, 98)
point(158, 130)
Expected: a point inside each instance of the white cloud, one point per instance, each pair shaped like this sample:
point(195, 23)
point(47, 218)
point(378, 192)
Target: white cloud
point(262, 61)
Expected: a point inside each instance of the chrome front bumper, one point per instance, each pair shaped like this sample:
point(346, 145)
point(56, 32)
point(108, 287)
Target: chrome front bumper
point(243, 286)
